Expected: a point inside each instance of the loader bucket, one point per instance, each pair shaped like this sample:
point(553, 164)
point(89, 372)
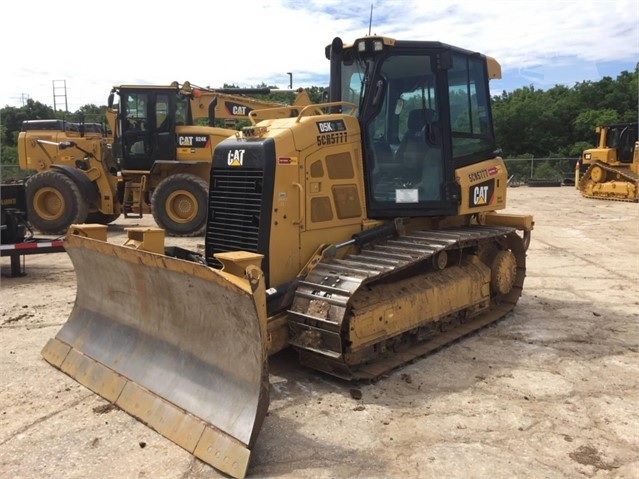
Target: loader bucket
point(178, 345)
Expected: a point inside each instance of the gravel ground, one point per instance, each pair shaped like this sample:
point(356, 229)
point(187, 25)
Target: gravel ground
point(550, 391)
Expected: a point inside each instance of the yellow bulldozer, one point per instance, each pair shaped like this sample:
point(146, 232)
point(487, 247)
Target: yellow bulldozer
point(362, 232)
point(153, 157)
point(612, 168)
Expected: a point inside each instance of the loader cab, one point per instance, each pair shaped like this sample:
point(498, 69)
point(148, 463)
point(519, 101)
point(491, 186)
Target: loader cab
point(147, 118)
point(424, 110)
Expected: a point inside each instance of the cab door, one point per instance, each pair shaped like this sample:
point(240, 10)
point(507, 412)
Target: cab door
point(148, 128)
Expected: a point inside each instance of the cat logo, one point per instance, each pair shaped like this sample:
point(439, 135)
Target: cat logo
point(198, 141)
point(481, 194)
point(236, 109)
point(239, 110)
point(185, 140)
point(235, 158)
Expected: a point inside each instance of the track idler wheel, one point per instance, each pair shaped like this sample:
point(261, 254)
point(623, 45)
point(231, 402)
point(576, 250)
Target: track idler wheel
point(598, 174)
point(503, 272)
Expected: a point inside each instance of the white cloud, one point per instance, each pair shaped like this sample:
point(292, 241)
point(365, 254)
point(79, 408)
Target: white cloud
point(250, 42)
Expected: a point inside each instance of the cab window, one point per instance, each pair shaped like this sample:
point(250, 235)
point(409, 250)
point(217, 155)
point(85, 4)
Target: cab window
point(469, 99)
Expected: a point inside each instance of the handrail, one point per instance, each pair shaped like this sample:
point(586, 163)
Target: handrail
point(301, 203)
point(308, 110)
point(321, 106)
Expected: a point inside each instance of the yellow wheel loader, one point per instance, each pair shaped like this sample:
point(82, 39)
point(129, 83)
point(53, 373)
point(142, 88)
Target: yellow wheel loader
point(75, 176)
point(164, 156)
point(362, 232)
point(613, 166)
point(155, 158)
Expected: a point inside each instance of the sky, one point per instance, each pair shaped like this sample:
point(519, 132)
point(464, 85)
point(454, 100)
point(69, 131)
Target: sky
point(73, 53)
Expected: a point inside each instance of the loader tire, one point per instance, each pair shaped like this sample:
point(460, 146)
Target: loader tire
point(179, 205)
point(54, 202)
point(102, 218)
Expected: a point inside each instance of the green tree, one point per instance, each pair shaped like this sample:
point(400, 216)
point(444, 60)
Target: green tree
point(11, 119)
point(557, 122)
point(586, 121)
point(89, 113)
point(577, 148)
point(8, 154)
point(317, 94)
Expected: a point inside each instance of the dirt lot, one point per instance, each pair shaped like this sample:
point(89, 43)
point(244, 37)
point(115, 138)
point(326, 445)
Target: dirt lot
point(550, 391)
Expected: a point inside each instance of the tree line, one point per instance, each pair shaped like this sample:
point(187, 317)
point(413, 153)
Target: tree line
point(560, 122)
point(529, 122)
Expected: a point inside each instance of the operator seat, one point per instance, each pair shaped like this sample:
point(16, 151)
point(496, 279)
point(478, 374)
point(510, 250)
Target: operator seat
point(421, 160)
point(382, 154)
point(410, 152)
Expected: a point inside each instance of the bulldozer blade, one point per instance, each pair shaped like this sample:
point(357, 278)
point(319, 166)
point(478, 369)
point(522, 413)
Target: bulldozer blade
point(178, 345)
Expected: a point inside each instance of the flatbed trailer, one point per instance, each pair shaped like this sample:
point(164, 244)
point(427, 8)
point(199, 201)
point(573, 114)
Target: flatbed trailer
point(27, 247)
point(16, 233)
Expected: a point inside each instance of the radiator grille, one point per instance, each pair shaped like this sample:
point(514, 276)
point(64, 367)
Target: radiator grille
point(235, 204)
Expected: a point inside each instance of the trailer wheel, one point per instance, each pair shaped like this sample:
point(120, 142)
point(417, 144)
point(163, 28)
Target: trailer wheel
point(54, 202)
point(179, 204)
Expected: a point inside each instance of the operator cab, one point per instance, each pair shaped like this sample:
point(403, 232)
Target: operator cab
point(147, 117)
point(424, 110)
point(622, 138)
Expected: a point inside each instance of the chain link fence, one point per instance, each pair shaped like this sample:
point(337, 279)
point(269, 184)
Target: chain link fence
point(541, 171)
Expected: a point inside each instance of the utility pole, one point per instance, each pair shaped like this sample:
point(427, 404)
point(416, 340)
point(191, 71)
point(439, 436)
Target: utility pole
point(290, 80)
